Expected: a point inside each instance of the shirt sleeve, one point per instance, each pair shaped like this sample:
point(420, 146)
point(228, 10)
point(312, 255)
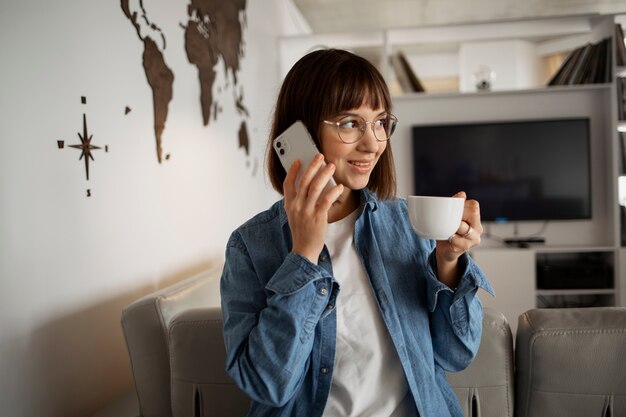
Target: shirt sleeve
point(456, 314)
point(268, 328)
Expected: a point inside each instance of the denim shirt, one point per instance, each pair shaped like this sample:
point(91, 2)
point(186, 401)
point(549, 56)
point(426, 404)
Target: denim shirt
point(280, 320)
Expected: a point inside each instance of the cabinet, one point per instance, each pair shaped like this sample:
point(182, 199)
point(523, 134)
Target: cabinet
point(547, 277)
point(584, 278)
point(514, 271)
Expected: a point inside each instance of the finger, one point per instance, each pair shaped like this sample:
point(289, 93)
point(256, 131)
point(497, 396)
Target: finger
point(460, 244)
point(465, 225)
point(328, 198)
point(460, 194)
point(471, 215)
point(464, 230)
point(289, 185)
point(466, 241)
point(309, 173)
point(318, 184)
point(452, 244)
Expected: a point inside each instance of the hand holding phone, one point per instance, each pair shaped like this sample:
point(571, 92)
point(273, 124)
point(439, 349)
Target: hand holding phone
point(307, 212)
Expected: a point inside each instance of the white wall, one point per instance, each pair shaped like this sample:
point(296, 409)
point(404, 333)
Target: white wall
point(69, 263)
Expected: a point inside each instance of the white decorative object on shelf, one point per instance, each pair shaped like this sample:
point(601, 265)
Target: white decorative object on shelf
point(483, 78)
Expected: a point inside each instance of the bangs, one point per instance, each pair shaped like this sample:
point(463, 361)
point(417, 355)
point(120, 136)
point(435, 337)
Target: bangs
point(355, 85)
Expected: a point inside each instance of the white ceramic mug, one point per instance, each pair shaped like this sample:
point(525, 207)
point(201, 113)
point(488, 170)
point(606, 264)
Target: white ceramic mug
point(435, 218)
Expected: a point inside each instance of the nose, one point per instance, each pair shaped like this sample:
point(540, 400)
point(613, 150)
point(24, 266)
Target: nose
point(368, 142)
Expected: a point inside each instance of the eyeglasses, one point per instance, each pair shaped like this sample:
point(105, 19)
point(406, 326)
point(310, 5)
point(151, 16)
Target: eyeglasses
point(351, 129)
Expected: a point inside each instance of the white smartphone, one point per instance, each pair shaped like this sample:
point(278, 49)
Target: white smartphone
point(296, 143)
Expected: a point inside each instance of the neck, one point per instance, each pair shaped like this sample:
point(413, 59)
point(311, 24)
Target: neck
point(346, 204)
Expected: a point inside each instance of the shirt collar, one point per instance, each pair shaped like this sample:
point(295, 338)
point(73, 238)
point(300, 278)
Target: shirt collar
point(282, 214)
point(369, 199)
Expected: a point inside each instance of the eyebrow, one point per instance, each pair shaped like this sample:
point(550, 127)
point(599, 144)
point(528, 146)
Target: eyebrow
point(356, 114)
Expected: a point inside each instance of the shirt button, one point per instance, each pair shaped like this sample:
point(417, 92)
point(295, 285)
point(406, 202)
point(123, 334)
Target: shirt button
point(323, 291)
point(330, 306)
point(323, 258)
point(324, 370)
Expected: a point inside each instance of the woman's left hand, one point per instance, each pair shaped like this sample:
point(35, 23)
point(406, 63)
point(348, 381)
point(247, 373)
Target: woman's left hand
point(467, 235)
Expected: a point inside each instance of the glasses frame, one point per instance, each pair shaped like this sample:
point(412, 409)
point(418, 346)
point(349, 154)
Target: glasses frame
point(371, 123)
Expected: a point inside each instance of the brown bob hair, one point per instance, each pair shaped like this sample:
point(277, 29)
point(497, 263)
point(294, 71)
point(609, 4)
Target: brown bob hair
point(319, 86)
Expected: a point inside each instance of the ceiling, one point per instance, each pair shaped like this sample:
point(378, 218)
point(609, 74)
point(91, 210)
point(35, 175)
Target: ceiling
point(329, 16)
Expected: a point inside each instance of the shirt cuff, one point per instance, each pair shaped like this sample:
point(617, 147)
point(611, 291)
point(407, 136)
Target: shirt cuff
point(471, 279)
point(295, 273)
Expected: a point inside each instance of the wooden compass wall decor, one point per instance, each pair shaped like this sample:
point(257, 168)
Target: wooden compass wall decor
point(85, 145)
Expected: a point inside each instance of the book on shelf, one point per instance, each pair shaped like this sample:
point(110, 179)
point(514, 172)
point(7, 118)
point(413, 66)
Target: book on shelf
point(604, 62)
point(622, 211)
point(620, 102)
point(583, 62)
point(622, 142)
point(621, 90)
point(621, 99)
point(561, 75)
point(408, 80)
point(591, 72)
point(607, 63)
point(620, 47)
point(588, 64)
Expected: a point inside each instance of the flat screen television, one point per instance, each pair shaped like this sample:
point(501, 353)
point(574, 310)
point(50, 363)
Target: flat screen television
point(517, 170)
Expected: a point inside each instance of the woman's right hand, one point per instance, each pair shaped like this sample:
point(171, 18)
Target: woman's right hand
point(307, 205)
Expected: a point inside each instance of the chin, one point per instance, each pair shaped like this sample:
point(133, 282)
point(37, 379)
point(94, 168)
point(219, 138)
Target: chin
point(354, 185)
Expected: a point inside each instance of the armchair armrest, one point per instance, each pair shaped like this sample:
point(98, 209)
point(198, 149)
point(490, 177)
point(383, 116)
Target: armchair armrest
point(200, 384)
point(486, 386)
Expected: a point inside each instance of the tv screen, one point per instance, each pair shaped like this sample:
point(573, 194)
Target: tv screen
point(521, 170)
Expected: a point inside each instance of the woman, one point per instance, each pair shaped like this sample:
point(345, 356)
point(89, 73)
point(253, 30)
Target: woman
point(332, 305)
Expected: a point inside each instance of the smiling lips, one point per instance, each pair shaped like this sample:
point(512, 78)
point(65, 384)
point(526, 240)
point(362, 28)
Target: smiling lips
point(362, 166)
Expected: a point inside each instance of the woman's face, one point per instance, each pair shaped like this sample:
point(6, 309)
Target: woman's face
point(354, 162)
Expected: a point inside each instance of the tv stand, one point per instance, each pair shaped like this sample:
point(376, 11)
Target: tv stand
point(524, 242)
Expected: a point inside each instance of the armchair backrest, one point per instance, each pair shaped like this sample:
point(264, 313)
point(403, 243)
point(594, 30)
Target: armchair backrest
point(200, 384)
point(145, 325)
point(485, 388)
point(571, 362)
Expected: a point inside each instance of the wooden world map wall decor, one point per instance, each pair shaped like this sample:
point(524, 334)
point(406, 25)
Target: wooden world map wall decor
point(213, 31)
point(85, 145)
point(212, 34)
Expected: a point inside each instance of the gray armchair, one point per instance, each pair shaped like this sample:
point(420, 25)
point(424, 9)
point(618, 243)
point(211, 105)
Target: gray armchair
point(571, 363)
point(175, 343)
point(146, 324)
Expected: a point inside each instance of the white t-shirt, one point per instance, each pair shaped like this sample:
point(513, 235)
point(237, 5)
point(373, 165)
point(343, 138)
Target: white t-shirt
point(368, 379)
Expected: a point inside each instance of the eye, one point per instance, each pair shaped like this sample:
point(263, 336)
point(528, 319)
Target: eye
point(349, 124)
point(382, 122)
